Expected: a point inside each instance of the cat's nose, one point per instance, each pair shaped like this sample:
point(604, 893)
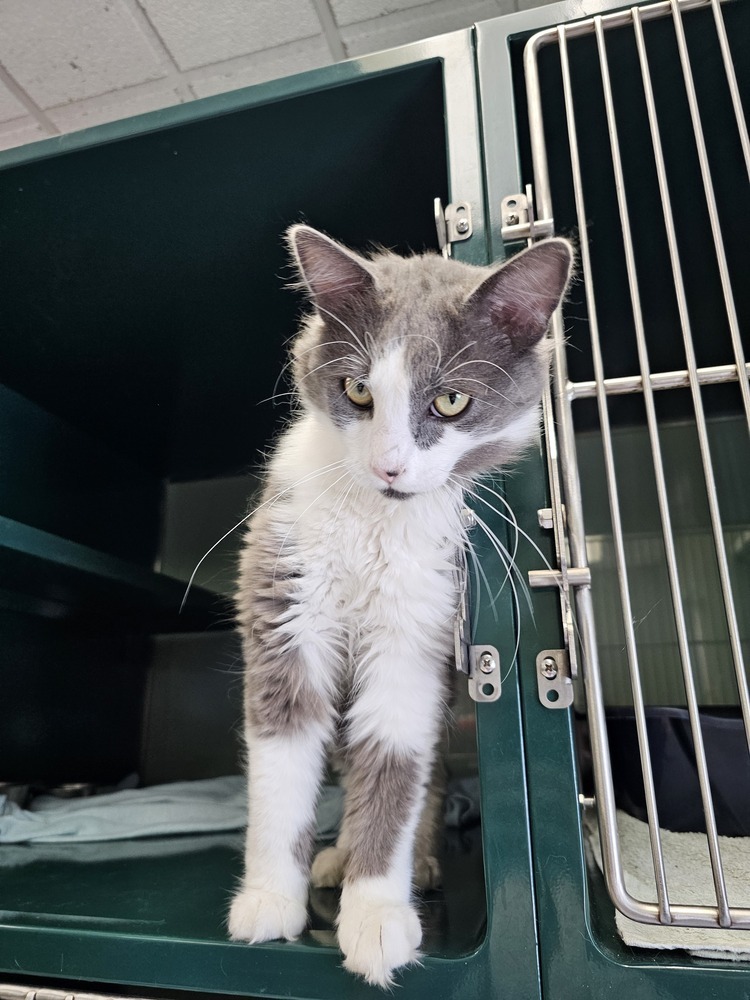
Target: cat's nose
point(387, 475)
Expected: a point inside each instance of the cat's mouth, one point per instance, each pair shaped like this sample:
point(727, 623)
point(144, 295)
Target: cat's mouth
point(395, 494)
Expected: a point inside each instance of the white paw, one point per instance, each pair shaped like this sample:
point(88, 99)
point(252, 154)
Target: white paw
point(257, 915)
point(327, 870)
point(378, 938)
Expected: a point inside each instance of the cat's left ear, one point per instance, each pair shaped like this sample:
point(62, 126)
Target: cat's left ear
point(519, 298)
point(337, 279)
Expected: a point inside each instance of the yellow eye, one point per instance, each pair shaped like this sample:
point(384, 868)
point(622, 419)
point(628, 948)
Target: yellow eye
point(358, 393)
point(450, 404)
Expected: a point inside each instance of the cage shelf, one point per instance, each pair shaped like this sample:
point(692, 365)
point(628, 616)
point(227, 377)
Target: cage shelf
point(47, 575)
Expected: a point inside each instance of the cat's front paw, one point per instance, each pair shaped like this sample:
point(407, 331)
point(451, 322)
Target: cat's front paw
point(377, 938)
point(257, 915)
point(328, 868)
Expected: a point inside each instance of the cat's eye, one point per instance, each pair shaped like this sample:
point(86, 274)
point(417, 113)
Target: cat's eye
point(450, 404)
point(358, 393)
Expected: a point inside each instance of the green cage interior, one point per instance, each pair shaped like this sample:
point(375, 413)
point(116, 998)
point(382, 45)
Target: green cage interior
point(145, 324)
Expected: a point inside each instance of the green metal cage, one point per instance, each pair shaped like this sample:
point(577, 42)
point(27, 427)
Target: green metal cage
point(145, 321)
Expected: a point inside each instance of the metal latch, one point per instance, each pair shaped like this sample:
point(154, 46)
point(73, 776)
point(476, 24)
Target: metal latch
point(554, 683)
point(518, 222)
point(453, 224)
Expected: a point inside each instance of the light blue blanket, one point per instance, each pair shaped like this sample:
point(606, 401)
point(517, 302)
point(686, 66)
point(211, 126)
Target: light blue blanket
point(213, 805)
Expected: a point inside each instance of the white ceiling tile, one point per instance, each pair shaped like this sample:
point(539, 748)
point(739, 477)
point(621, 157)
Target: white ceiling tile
point(413, 24)
point(10, 106)
point(20, 131)
point(114, 106)
point(528, 4)
point(68, 50)
point(270, 64)
point(352, 11)
point(198, 33)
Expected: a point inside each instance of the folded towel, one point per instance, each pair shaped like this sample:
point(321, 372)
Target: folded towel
point(209, 806)
point(689, 881)
point(213, 805)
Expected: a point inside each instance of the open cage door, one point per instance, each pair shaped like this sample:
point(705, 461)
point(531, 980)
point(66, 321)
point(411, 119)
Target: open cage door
point(633, 140)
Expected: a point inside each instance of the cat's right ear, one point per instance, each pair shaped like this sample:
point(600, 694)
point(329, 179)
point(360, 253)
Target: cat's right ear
point(337, 280)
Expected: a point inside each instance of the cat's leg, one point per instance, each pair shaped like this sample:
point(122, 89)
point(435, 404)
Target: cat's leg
point(329, 865)
point(288, 725)
point(393, 729)
point(427, 871)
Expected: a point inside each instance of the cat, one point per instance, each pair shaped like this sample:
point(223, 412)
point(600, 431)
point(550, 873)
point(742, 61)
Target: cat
point(414, 375)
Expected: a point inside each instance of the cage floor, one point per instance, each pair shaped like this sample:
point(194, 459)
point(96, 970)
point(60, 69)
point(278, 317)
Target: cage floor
point(178, 888)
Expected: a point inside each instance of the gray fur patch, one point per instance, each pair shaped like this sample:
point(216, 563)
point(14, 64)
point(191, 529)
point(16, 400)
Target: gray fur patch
point(279, 698)
point(381, 791)
point(303, 847)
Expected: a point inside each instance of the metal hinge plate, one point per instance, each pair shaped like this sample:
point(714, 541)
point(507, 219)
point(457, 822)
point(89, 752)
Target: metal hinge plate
point(484, 673)
point(554, 684)
point(453, 224)
point(518, 222)
point(479, 663)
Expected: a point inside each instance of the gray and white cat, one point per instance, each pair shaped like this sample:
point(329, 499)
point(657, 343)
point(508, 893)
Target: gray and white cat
point(414, 375)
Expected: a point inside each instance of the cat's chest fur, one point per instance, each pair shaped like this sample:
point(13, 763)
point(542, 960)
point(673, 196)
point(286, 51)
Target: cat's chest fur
point(360, 559)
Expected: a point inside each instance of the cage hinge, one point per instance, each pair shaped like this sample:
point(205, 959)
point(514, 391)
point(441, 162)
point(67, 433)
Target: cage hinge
point(554, 683)
point(453, 224)
point(577, 576)
point(519, 221)
point(564, 577)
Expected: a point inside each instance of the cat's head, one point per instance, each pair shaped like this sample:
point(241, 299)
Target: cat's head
point(429, 368)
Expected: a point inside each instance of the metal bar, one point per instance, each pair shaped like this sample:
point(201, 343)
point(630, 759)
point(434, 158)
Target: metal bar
point(558, 531)
point(713, 212)
point(692, 701)
point(714, 375)
point(612, 486)
point(617, 19)
point(721, 555)
point(734, 90)
point(652, 813)
point(606, 811)
point(540, 579)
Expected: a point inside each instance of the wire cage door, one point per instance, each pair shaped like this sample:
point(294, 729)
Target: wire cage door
point(640, 150)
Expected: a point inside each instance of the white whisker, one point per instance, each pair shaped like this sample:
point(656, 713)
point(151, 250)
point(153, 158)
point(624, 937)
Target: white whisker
point(511, 520)
point(325, 364)
point(472, 343)
point(489, 388)
point(347, 328)
point(482, 361)
point(271, 500)
point(424, 336)
point(315, 347)
point(296, 520)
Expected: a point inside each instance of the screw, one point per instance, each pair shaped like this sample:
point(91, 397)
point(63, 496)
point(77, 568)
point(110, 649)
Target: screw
point(511, 220)
point(462, 226)
point(468, 520)
point(486, 663)
point(548, 668)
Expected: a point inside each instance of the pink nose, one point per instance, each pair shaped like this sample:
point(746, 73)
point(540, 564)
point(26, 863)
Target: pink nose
point(387, 475)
